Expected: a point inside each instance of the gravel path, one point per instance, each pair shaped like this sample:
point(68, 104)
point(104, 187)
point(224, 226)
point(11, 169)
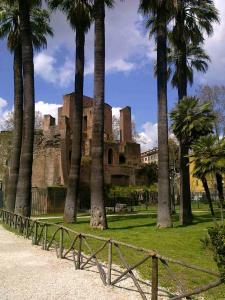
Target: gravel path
point(28, 272)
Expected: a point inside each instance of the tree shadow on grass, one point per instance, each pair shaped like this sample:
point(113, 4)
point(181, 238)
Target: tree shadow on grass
point(131, 217)
point(203, 218)
point(133, 226)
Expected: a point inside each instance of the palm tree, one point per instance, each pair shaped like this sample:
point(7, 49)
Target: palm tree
point(190, 120)
point(193, 19)
point(98, 214)
point(202, 166)
point(23, 195)
point(79, 14)
point(197, 59)
point(209, 158)
point(10, 28)
point(158, 13)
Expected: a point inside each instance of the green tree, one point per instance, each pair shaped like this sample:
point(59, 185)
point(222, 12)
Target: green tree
point(190, 120)
point(193, 18)
point(79, 15)
point(157, 14)
point(202, 167)
point(98, 214)
point(10, 28)
point(209, 158)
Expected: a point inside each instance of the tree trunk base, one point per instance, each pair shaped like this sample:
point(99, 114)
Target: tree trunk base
point(98, 219)
point(186, 220)
point(23, 211)
point(161, 226)
point(69, 215)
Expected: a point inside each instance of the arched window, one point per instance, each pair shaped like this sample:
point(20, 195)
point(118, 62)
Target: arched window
point(110, 157)
point(122, 159)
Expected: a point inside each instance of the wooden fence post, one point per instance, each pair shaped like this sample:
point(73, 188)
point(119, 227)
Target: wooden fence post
point(45, 237)
point(16, 220)
point(27, 228)
point(34, 240)
point(61, 243)
point(10, 220)
point(79, 252)
point(109, 263)
point(20, 226)
point(154, 278)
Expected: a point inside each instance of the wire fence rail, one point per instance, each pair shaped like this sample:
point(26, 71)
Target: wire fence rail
point(78, 248)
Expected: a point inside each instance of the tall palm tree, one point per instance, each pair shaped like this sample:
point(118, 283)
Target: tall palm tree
point(197, 59)
point(190, 120)
point(158, 13)
point(79, 14)
point(98, 214)
point(193, 19)
point(10, 28)
point(23, 196)
point(209, 158)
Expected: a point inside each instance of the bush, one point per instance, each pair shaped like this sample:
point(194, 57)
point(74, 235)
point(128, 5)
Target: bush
point(217, 236)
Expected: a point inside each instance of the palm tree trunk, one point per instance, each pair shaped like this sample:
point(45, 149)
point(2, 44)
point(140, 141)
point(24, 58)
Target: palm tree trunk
point(164, 218)
point(18, 130)
point(208, 196)
point(70, 211)
point(23, 196)
point(219, 181)
point(185, 197)
point(98, 215)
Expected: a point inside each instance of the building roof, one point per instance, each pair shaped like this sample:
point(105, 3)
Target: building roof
point(150, 152)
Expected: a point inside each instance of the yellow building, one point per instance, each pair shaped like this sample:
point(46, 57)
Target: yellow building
point(196, 184)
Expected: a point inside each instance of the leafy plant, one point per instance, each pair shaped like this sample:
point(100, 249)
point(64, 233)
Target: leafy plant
point(217, 237)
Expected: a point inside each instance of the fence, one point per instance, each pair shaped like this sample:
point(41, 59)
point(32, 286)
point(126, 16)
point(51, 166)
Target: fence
point(78, 247)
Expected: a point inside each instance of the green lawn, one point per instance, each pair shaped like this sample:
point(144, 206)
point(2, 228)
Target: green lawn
point(179, 242)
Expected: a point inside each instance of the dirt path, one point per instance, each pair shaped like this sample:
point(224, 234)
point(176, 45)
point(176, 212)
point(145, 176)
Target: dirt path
point(27, 272)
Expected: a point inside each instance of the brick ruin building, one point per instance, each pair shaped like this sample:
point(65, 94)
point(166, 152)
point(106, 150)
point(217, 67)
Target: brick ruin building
point(53, 148)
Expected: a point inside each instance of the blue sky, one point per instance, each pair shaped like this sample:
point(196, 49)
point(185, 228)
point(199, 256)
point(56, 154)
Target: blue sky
point(129, 67)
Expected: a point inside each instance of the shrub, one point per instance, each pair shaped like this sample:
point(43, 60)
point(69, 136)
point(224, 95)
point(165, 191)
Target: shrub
point(217, 236)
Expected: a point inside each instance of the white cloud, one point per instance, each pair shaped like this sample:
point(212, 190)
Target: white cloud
point(3, 112)
point(116, 112)
point(3, 103)
point(43, 107)
point(45, 65)
point(148, 137)
point(127, 48)
point(47, 108)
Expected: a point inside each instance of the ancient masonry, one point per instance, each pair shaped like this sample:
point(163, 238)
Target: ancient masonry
point(53, 148)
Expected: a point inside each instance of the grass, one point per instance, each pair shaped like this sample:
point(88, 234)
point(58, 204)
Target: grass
point(180, 242)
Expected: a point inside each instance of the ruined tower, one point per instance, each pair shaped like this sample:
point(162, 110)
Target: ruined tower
point(125, 125)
